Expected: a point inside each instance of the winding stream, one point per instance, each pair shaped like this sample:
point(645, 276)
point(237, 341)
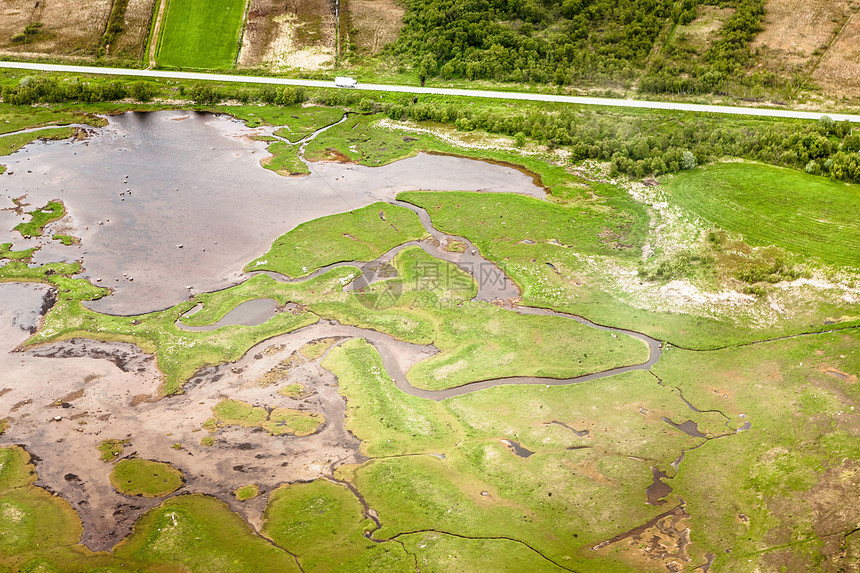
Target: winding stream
point(493, 286)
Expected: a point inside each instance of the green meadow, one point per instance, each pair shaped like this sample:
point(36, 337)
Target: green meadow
point(200, 34)
point(804, 214)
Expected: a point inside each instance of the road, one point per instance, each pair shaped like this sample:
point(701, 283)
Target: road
point(628, 103)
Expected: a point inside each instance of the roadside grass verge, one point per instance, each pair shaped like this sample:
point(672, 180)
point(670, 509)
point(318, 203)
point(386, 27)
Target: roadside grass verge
point(323, 524)
point(39, 218)
point(200, 533)
point(145, 478)
point(358, 235)
point(800, 451)
point(200, 34)
point(805, 214)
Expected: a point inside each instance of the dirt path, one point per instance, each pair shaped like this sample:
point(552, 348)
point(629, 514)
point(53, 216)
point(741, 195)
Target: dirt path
point(153, 42)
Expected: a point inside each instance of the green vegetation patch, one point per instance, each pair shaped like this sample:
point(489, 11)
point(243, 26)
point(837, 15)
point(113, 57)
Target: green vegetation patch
point(279, 421)
point(439, 552)
point(9, 144)
point(179, 353)
point(66, 239)
point(323, 524)
point(796, 459)
point(145, 477)
point(201, 534)
point(51, 212)
point(359, 235)
point(316, 348)
point(387, 421)
point(285, 160)
point(18, 117)
point(294, 119)
point(6, 252)
point(111, 449)
point(296, 127)
point(479, 342)
point(200, 34)
point(802, 213)
point(554, 274)
point(493, 218)
point(291, 390)
point(34, 524)
point(15, 469)
point(245, 492)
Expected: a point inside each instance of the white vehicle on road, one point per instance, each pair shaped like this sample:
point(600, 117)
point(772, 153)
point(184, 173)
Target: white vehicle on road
point(344, 82)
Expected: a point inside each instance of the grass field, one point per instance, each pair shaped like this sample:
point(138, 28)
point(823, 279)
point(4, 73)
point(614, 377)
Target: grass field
point(137, 476)
point(790, 472)
point(804, 214)
point(323, 523)
point(201, 34)
point(200, 533)
point(359, 235)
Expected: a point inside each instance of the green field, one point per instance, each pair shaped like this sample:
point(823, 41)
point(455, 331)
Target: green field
point(358, 235)
point(804, 214)
point(200, 34)
point(147, 478)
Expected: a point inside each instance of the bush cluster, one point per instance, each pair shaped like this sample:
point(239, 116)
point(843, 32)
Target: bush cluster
point(654, 145)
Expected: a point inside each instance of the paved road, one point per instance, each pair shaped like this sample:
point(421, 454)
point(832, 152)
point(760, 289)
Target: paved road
point(643, 104)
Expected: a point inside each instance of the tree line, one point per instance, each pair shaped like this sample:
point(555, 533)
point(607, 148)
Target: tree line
point(541, 41)
point(654, 144)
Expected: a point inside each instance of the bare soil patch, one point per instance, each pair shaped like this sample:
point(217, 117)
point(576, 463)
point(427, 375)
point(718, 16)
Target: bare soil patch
point(291, 34)
point(796, 32)
point(702, 31)
point(373, 24)
point(135, 30)
point(68, 26)
point(839, 69)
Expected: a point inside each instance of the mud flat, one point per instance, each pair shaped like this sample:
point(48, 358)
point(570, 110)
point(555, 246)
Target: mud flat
point(79, 393)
